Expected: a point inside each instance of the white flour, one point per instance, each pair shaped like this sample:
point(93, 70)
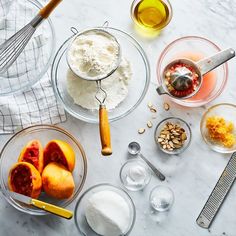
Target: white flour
point(93, 54)
point(108, 213)
point(83, 91)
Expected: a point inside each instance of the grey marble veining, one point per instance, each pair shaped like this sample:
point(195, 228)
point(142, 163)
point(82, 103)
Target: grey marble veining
point(191, 175)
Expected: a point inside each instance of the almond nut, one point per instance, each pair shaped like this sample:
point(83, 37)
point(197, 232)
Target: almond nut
point(141, 130)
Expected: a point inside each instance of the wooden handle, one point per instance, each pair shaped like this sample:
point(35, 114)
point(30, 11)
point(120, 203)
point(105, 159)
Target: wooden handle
point(104, 131)
point(52, 209)
point(46, 11)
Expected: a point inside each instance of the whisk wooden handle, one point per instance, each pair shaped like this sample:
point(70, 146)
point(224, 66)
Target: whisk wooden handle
point(45, 12)
point(104, 131)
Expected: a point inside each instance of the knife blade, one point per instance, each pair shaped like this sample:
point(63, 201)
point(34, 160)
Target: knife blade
point(42, 205)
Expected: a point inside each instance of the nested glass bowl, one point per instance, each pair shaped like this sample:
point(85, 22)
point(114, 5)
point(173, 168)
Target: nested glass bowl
point(80, 218)
point(37, 56)
point(226, 111)
point(195, 48)
point(10, 153)
point(138, 85)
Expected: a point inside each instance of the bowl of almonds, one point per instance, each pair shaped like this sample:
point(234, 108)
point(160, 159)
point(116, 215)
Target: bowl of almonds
point(173, 135)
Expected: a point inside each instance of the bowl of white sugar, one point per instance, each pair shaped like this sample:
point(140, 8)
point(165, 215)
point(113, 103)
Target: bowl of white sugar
point(94, 54)
point(105, 210)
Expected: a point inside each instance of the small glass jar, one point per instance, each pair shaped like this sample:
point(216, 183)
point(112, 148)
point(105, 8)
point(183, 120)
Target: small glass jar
point(151, 15)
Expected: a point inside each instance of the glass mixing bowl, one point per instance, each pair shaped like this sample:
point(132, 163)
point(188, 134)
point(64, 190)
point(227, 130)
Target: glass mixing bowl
point(195, 48)
point(10, 153)
point(80, 218)
point(226, 111)
point(37, 56)
point(138, 85)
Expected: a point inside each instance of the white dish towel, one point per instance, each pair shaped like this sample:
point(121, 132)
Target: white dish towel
point(37, 105)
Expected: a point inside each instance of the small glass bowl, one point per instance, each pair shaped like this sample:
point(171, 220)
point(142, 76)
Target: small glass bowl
point(161, 198)
point(138, 84)
point(180, 122)
point(195, 48)
point(10, 153)
point(80, 218)
point(228, 112)
point(34, 61)
point(135, 175)
point(134, 4)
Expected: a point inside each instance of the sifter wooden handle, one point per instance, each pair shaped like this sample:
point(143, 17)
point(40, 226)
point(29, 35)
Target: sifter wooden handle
point(104, 127)
point(46, 11)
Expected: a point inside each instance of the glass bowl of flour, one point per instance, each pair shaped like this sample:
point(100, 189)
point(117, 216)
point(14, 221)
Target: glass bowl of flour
point(105, 210)
point(125, 87)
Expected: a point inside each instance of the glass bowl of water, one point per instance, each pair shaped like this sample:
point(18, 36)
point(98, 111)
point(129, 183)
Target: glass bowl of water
point(161, 198)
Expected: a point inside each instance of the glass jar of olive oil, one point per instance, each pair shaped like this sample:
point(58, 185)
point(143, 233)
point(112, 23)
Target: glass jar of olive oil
point(151, 15)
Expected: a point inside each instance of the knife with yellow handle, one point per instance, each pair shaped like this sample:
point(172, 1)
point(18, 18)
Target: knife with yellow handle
point(42, 205)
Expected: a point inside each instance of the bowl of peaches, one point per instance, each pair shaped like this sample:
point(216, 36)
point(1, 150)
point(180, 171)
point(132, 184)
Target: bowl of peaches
point(43, 162)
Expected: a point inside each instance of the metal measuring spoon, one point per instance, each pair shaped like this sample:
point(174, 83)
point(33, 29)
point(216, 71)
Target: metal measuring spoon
point(181, 79)
point(135, 150)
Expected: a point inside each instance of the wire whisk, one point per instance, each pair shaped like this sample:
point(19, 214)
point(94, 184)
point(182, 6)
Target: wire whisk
point(13, 47)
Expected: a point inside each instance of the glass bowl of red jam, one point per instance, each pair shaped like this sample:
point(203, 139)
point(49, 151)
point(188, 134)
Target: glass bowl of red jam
point(195, 48)
point(44, 133)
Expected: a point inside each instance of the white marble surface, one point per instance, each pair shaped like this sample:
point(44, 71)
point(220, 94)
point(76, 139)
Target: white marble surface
point(192, 175)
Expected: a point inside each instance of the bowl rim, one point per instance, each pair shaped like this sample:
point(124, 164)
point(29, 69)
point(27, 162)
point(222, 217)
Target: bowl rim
point(38, 5)
point(105, 185)
point(181, 150)
point(203, 119)
point(143, 163)
point(46, 126)
point(192, 37)
point(54, 69)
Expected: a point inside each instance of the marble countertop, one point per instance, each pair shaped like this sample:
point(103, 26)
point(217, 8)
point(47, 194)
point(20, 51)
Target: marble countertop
point(191, 175)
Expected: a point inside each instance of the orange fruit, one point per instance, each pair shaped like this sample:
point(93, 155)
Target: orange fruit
point(33, 154)
point(60, 152)
point(57, 181)
point(25, 179)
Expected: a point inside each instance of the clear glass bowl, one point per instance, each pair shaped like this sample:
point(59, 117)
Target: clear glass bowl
point(10, 153)
point(195, 48)
point(137, 87)
point(135, 175)
point(180, 122)
point(134, 4)
point(80, 218)
point(37, 56)
point(228, 112)
point(161, 198)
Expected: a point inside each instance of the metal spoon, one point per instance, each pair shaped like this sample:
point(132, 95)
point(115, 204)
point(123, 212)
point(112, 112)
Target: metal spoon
point(135, 150)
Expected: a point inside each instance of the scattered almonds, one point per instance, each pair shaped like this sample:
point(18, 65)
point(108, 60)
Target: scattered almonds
point(172, 136)
point(166, 106)
point(153, 110)
point(141, 130)
point(149, 124)
point(151, 107)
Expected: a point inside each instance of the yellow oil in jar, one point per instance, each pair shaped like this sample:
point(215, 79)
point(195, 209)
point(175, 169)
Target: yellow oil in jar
point(151, 14)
